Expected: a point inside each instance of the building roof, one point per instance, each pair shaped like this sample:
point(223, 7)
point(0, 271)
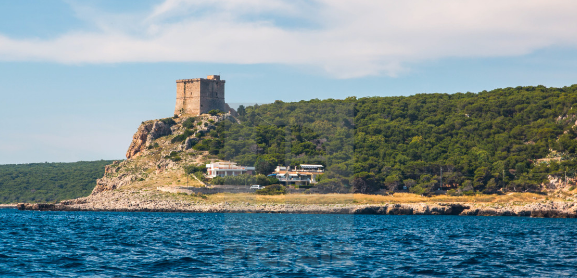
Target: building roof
point(311, 166)
point(226, 165)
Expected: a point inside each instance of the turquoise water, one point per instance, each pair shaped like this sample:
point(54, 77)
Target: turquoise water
point(108, 244)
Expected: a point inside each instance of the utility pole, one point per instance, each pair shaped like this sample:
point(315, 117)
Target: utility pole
point(565, 177)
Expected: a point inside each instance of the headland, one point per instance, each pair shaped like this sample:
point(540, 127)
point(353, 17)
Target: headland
point(508, 152)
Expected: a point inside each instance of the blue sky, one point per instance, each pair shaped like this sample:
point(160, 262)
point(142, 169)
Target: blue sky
point(78, 77)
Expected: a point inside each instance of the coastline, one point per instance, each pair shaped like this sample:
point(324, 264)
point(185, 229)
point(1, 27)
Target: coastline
point(8, 206)
point(153, 201)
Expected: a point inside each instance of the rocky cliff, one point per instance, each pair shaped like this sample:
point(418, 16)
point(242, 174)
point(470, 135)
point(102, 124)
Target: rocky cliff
point(158, 152)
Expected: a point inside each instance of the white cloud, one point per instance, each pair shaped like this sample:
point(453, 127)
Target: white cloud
point(344, 38)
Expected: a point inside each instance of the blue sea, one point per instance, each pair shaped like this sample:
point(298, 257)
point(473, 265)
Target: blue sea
point(109, 244)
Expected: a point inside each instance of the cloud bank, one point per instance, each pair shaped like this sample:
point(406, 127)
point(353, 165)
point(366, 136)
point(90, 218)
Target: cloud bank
point(345, 39)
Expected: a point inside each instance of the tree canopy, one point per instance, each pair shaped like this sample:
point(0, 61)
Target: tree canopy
point(49, 182)
point(490, 140)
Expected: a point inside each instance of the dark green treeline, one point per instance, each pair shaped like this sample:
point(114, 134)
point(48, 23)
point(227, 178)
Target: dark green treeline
point(49, 182)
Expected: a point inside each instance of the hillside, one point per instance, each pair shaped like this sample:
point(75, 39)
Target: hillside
point(513, 139)
point(48, 182)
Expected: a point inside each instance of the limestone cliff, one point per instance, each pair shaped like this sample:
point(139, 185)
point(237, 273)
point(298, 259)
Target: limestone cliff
point(139, 140)
point(145, 135)
point(158, 152)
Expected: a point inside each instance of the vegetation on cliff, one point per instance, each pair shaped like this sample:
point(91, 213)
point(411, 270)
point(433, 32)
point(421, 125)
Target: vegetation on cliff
point(48, 182)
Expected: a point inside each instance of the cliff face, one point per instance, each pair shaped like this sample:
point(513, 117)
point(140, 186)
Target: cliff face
point(139, 140)
point(158, 152)
point(145, 135)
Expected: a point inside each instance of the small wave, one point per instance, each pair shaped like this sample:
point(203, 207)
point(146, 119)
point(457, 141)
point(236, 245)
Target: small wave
point(73, 265)
point(428, 272)
point(169, 263)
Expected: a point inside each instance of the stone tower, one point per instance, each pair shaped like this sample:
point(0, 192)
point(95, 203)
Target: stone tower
point(198, 96)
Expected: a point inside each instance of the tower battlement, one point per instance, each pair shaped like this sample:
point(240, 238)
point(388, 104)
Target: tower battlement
point(199, 95)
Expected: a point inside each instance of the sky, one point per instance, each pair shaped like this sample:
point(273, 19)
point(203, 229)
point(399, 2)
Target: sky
point(77, 77)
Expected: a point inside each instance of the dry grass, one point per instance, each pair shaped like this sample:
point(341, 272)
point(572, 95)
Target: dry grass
point(168, 178)
point(413, 198)
point(372, 199)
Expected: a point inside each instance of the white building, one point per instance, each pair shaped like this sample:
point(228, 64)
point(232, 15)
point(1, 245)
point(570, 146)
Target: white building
point(222, 169)
point(304, 175)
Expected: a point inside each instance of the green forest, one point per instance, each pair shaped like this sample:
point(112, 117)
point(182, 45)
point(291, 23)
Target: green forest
point(471, 142)
point(48, 182)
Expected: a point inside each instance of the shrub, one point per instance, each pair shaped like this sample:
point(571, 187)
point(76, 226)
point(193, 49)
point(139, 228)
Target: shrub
point(217, 180)
point(272, 180)
point(243, 179)
point(155, 145)
point(201, 146)
point(454, 192)
point(215, 112)
point(469, 193)
point(331, 185)
point(189, 123)
point(168, 121)
point(189, 169)
point(419, 189)
point(173, 156)
point(182, 137)
point(275, 189)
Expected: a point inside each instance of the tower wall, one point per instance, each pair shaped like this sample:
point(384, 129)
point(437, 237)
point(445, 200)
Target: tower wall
point(198, 96)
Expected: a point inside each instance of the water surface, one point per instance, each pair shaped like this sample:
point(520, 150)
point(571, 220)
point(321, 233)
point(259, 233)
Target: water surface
point(44, 244)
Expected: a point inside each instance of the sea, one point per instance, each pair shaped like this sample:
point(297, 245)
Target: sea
point(121, 244)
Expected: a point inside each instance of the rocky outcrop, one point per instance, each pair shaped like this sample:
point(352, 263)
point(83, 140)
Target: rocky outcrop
point(549, 210)
point(139, 139)
point(165, 164)
point(158, 130)
point(111, 183)
point(145, 135)
point(41, 207)
point(190, 142)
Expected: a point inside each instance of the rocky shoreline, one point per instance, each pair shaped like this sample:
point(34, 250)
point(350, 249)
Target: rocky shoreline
point(138, 202)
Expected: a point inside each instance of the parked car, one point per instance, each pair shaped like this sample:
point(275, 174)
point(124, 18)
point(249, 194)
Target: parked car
point(256, 186)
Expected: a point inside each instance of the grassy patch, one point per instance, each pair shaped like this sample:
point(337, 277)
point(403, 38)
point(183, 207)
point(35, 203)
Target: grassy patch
point(326, 199)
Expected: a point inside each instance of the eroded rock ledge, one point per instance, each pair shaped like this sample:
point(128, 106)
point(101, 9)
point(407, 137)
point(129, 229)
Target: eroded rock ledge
point(549, 210)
